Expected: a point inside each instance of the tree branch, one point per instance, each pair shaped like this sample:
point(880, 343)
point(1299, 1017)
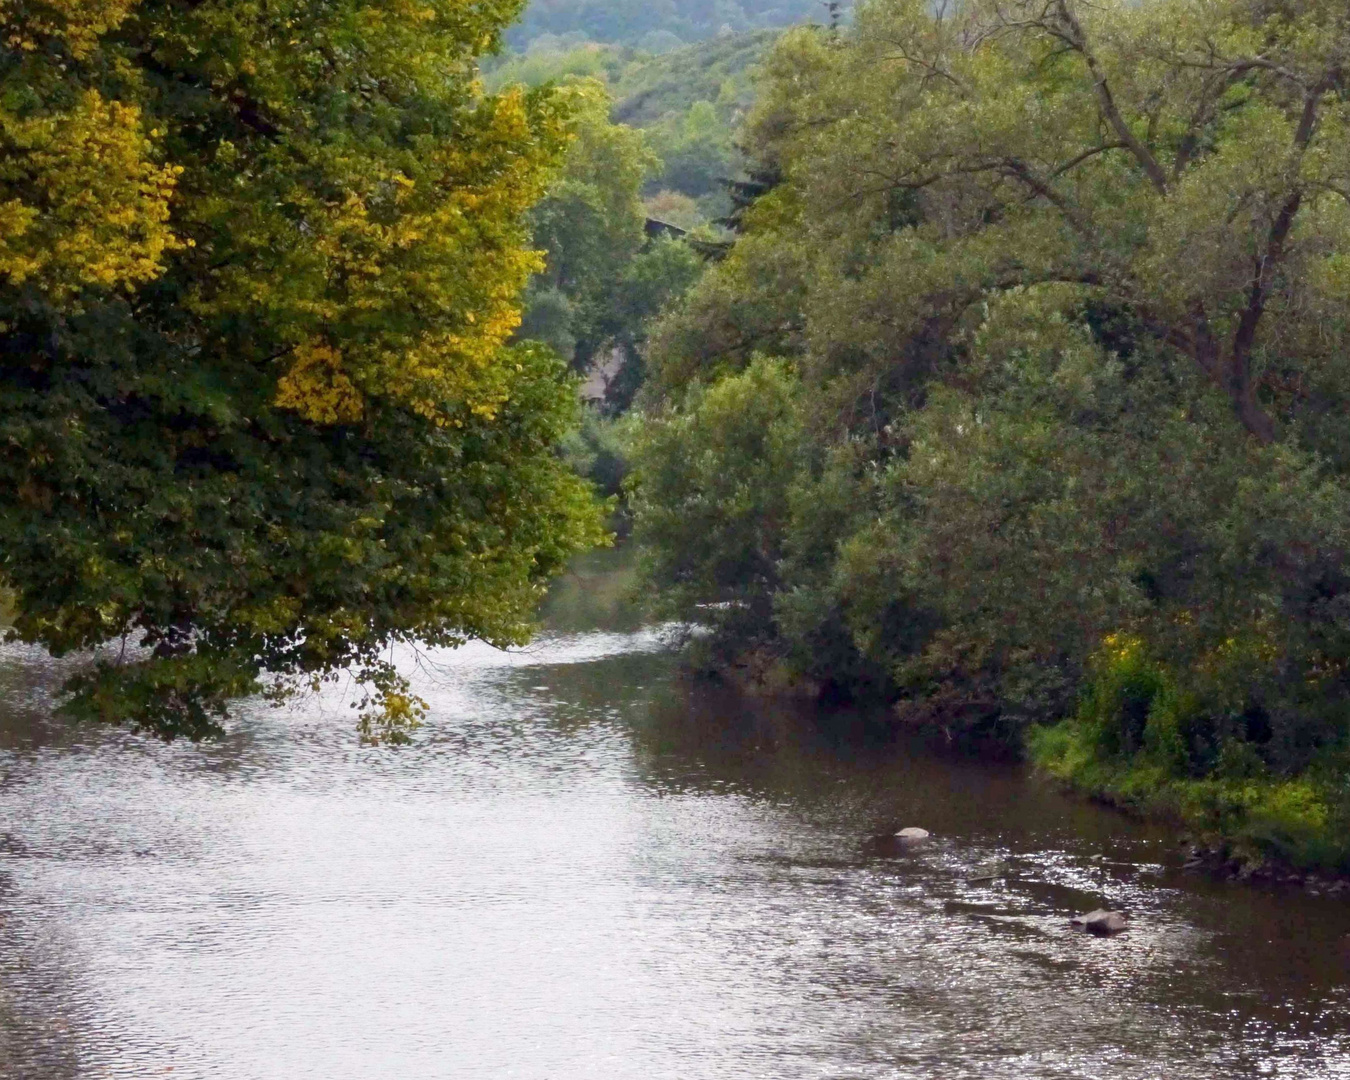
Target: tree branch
point(1023, 172)
point(1077, 38)
point(1074, 162)
point(1244, 338)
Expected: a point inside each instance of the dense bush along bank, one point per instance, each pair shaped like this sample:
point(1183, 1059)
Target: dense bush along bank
point(1140, 741)
point(1020, 401)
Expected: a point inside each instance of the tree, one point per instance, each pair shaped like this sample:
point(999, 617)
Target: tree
point(687, 102)
point(1185, 162)
point(1062, 285)
point(712, 494)
point(603, 278)
point(697, 151)
point(663, 271)
point(258, 411)
point(589, 225)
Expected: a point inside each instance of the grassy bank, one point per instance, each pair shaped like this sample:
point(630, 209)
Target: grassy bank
point(1142, 742)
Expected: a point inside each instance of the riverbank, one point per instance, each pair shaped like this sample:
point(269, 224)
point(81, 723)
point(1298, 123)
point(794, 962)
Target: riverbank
point(1244, 823)
point(1240, 822)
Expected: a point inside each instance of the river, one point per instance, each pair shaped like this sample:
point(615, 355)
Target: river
point(587, 867)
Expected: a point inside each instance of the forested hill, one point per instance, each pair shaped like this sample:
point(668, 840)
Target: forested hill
point(688, 102)
point(656, 26)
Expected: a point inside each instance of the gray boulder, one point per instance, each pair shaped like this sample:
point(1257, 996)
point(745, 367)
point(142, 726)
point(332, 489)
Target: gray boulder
point(1101, 922)
point(912, 836)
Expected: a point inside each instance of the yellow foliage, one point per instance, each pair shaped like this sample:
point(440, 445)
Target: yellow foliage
point(317, 387)
point(79, 23)
point(409, 262)
point(1122, 648)
point(445, 242)
point(89, 205)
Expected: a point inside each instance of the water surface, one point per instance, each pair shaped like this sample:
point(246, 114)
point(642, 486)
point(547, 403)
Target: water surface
point(588, 868)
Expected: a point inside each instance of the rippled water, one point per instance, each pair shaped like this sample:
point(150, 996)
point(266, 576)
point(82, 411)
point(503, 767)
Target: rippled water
point(586, 868)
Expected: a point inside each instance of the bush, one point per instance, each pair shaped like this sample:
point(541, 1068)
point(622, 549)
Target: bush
point(596, 451)
point(1133, 742)
point(710, 497)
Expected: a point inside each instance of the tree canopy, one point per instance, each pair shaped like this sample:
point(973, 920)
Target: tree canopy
point(259, 269)
point(603, 277)
point(688, 103)
point(1188, 162)
point(1055, 292)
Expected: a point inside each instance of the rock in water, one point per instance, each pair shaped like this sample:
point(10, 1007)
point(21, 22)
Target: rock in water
point(1101, 922)
point(1107, 923)
point(912, 835)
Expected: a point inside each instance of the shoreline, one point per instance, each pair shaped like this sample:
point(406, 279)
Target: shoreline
point(1211, 854)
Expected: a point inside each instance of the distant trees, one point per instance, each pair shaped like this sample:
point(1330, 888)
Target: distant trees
point(689, 103)
point(604, 278)
point(654, 25)
point(259, 269)
point(589, 226)
point(1059, 287)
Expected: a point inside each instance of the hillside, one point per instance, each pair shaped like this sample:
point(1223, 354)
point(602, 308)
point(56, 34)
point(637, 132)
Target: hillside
point(689, 103)
point(658, 25)
point(649, 90)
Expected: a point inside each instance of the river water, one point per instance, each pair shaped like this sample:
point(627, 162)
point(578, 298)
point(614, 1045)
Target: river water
point(588, 868)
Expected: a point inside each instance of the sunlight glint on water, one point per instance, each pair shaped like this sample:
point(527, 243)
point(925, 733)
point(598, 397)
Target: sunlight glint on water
point(586, 869)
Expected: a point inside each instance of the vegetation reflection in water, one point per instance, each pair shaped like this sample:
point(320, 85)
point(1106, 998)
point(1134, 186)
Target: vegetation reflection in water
point(589, 866)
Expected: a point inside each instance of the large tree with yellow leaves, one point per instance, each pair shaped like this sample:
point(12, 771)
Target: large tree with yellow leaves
point(259, 267)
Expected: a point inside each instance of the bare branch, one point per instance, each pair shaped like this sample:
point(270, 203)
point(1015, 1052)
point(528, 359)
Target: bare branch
point(1023, 172)
point(930, 66)
point(1074, 162)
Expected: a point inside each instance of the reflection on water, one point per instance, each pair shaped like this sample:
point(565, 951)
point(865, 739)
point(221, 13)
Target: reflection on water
point(586, 868)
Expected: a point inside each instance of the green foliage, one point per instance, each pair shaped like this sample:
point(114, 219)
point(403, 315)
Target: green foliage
point(712, 482)
point(1061, 288)
point(597, 450)
point(750, 303)
point(651, 282)
point(590, 227)
point(1133, 741)
point(257, 413)
point(815, 609)
point(539, 66)
point(590, 223)
point(603, 280)
point(720, 72)
point(689, 102)
point(697, 151)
